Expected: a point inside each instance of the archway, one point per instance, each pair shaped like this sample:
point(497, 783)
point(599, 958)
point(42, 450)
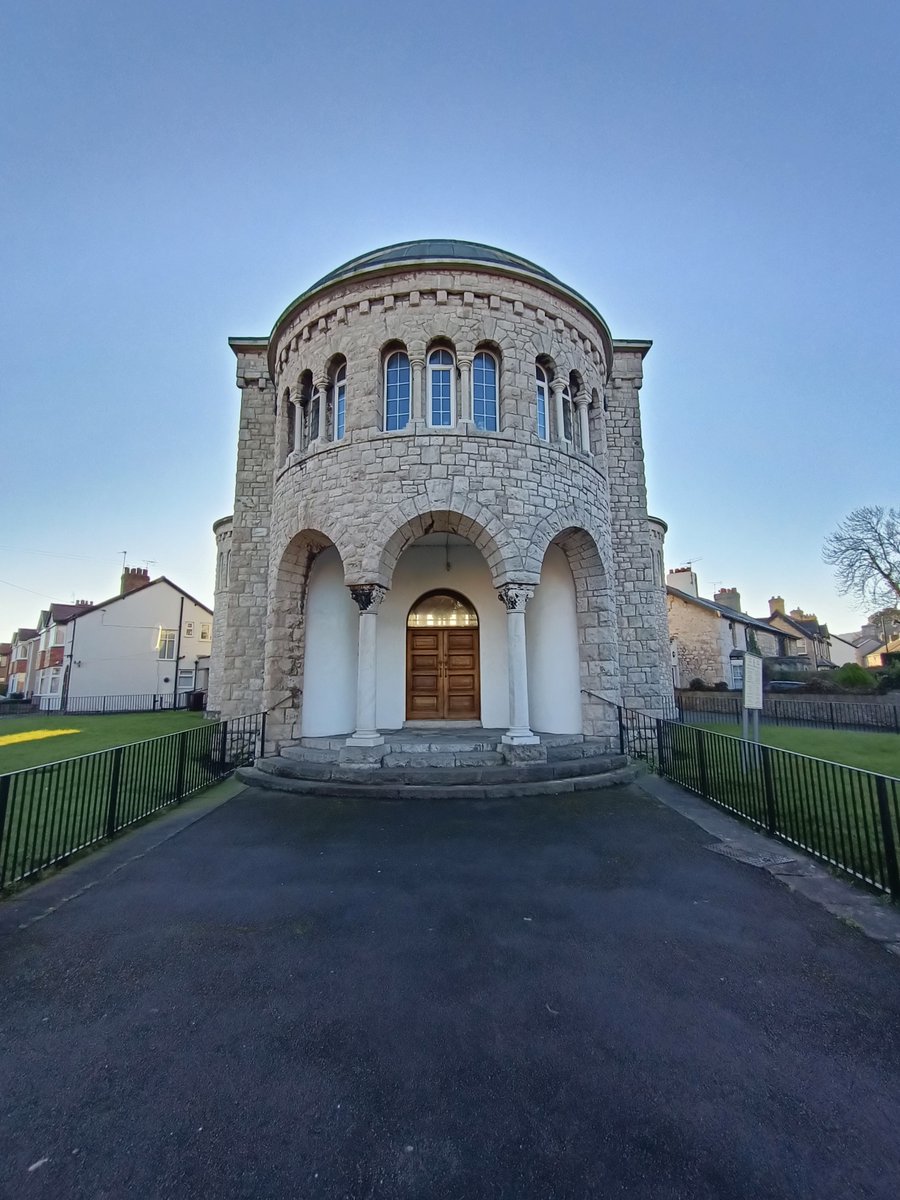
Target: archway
point(443, 668)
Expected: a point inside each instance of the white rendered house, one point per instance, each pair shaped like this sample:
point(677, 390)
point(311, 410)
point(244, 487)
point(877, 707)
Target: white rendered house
point(153, 639)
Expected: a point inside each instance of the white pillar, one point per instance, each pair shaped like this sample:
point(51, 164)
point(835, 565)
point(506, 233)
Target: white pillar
point(417, 366)
point(559, 386)
point(581, 403)
point(368, 597)
point(322, 389)
point(464, 399)
point(516, 596)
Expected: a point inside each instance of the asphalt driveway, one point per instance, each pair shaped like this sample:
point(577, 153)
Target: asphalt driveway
point(568, 998)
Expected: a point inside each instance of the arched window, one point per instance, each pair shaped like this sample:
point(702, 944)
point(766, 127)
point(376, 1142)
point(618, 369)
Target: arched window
point(396, 391)
point(340, 401)
point(440, 608)
point(441, 388)
point(312, 413)
point(543, 391)
point(484, 391)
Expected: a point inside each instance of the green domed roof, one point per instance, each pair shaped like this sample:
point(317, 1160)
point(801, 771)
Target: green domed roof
point(433, 250)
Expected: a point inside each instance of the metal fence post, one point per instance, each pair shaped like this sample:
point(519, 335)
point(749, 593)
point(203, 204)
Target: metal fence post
point(262, 735)
point(769, 788)
point(831, 714)
point(223, 748)
point(112, 807)
point(4, 803)
point(887, 832)
point(660, 747)
point(623, 743)
point(179, 769)
point(700, 738)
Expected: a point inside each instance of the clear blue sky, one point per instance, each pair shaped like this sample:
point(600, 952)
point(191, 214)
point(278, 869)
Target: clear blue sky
point(720, 177)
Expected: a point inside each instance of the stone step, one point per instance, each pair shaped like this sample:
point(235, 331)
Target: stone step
point(254, 777)
point(584, 748)
point(443, 758)
point(446, 776)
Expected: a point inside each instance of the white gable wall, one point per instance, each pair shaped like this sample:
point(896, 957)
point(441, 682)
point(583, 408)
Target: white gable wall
point(116, 649)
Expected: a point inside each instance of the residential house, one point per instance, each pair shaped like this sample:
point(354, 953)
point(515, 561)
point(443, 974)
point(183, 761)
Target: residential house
point(812, 641)
point(709, 638)
point(22, 657)
point(153, 638)
point(5, 654)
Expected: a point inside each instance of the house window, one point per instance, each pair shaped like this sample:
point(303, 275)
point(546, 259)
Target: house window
point(484, 391)
point(542, 392)
point(54, 681)
point(189, 629)
point(205, 631)
point(166, 644)
point(737, 674)
point(185, 680)
point(440, 387)
point(340, 402)
point(396, 391)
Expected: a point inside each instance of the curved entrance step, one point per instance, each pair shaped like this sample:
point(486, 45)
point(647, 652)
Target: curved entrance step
point(254, 777)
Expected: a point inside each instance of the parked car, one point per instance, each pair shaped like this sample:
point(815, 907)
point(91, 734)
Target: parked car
point(785, 685)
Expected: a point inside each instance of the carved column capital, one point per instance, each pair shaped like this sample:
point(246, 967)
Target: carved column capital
point(322, 383)
point(417, 361)
point(582, 400)
point(368, 596)
point(558, 385)
point(465, 360)
point(515, 596)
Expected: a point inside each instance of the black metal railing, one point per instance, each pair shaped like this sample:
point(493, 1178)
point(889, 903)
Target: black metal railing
point(59, 705)
point(52, 812)
point(867, 716)
point(843, 816)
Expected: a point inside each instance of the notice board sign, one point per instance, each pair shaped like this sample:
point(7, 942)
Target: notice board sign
point(753, 681)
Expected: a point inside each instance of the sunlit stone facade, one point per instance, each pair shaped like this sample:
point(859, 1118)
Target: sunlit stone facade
point(439, 418)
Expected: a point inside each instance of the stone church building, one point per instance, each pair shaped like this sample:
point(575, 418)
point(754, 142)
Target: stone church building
point(440, 509)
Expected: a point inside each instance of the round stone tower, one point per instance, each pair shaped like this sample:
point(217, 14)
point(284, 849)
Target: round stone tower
point(440, 511)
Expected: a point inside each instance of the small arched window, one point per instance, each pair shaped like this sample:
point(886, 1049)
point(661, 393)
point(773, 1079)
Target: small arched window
point(543, 391)
point(441, 388)
point(396, 391)
point(340, 402)
point(484, 391)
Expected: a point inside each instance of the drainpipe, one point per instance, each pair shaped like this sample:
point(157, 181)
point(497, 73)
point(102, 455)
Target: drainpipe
point(177, 654)
point(67, 674)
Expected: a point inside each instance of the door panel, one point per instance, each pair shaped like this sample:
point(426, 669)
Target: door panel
point(443, 679)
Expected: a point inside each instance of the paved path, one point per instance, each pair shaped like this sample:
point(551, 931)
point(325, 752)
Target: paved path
point(548, 1000)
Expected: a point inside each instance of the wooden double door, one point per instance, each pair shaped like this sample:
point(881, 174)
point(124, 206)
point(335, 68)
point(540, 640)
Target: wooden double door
point(443, 675)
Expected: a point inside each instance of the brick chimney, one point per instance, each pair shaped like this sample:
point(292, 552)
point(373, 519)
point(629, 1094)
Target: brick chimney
point(683, 579)
point(776, 605)
point(133, 578)
point(730, 597)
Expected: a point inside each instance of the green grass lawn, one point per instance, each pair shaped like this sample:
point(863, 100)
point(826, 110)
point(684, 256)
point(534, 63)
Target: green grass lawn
point(94, 733)
point(871, 751)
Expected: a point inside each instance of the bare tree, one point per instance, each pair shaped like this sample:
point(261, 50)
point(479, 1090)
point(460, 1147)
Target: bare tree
point(865, 553)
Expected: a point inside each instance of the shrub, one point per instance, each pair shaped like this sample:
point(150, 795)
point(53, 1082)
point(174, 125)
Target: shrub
point(821, 684)
point(721, 686)
point(854, 676)
point(889, 680)
point(698, 685)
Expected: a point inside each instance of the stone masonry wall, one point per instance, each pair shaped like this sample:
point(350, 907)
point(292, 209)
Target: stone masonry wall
point(223, 534)
point(643, 642)
point(242, 662)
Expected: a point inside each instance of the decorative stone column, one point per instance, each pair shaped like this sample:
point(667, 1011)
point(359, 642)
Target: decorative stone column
point(516, 596)
point(368, 597)
point(559, 386)
point(417, 366)
point(464, 399)
point(322, 389)
point(582, 400)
